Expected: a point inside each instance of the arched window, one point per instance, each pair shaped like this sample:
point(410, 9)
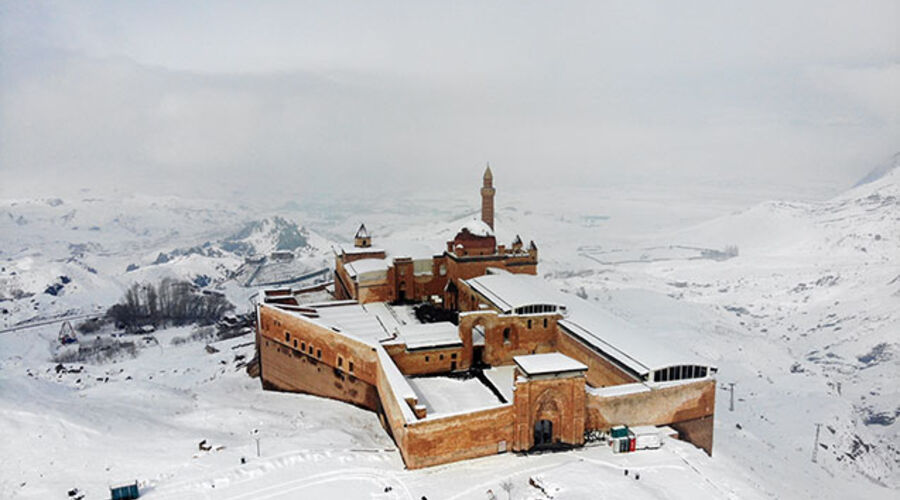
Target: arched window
point(506, 335)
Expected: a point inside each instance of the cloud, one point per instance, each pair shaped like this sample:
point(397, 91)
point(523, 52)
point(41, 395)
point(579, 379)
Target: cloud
point(350, 96)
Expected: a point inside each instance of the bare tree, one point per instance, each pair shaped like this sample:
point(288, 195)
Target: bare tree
point(171, 302)
point(507, 486)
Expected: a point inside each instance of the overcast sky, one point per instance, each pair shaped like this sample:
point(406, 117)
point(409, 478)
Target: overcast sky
point(370, 95)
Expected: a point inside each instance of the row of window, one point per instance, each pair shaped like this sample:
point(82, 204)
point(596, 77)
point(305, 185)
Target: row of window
point(452, 356)
point(310, 349)
point(537, 309)
point(679, 373)
point(530, 323)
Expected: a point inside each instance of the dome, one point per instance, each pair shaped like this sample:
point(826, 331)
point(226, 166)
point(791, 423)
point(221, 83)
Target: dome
point(476, 227)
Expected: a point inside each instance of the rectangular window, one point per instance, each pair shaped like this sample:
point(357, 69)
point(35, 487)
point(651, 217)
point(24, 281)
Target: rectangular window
point(427, 359)
point(340, 361)
point(351, 367)
point(310, 349)
point(442, 357)
point(453, 356)
point(545, 322)
point(319, 353)
point(287, 336)
point(303, 346)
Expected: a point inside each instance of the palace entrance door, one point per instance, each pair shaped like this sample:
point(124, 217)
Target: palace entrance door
point(543, 433)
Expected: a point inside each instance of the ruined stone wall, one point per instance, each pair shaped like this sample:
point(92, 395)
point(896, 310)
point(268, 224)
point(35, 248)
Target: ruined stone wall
point(601, 373)
point(688, 407)
point(449, 439)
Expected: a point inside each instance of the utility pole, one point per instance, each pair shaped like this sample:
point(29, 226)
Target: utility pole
point(816, 443)
point(731, 402)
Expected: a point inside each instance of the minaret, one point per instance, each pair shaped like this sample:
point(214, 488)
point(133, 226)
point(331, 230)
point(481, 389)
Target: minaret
point(487, 197)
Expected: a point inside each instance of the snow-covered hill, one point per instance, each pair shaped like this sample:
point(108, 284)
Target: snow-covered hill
point(75, 257)
point(805, 319)
point(796, 302)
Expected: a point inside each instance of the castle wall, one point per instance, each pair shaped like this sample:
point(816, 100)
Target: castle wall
point(392, 415)
point(428, 361)
point(687, 407)
point(287, 369)
point(283, 329)
point(442, 440)
point(601, 373)
point(519, 335)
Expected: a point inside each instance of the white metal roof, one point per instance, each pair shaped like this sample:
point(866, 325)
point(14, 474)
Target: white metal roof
point(642, 351)
point(553, 362)
point(508, 291)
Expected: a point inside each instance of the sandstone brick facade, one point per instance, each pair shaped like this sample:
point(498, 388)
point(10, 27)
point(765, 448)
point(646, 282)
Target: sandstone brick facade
point(299, 355)
point(300, 351)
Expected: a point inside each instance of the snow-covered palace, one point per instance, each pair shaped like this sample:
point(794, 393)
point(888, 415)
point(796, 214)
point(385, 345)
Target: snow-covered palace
point(467, 353)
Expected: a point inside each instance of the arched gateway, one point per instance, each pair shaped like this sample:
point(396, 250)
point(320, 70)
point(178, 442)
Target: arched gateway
point(549, 401)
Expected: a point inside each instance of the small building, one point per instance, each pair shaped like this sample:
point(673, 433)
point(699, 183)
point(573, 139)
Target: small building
point(124, 491)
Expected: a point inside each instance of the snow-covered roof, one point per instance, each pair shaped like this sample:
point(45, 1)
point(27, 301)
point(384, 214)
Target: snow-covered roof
point(443, 396)
point(351, 320)
point(477, 227)
point(553, 362)
point(642, 351)
point(639, 350)
point(421, 336)
point(353, 250)
point(393, 249)
point(509, 291)
point(399, 384)
point(408, 248)
point(364, 266)
point(619, 390)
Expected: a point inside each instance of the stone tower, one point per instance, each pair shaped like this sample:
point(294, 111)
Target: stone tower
point(487, 198)
point(362, 239)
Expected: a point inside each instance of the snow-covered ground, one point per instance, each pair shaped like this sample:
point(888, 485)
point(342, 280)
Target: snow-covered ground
point(804, 320)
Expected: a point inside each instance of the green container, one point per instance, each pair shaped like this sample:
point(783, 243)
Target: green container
point(619, 431)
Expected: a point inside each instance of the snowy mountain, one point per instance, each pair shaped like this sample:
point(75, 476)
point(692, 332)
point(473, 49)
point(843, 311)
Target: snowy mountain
point(880, 171)
point(796, 302)
point(76, 257)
